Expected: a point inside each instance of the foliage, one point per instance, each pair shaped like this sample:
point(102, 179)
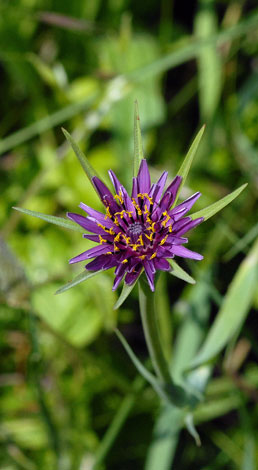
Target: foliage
point(70, 396)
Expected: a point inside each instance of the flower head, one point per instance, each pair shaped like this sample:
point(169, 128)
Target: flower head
point(137, 232)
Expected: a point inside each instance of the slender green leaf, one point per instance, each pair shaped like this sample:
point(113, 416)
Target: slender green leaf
point(189, 423)
point(234, 308)
point(179, 272)
point(138, 149)
point(90, 172)
point(186, 165)
point(211, 210)
point(52, 219)
point(77, 280)
point(209, 61)
point(124, 294)
point(140, 367)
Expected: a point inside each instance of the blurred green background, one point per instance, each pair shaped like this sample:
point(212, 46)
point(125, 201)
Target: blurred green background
point(70, 399)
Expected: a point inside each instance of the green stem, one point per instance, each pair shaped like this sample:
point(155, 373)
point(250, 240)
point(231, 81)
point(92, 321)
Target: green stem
point(151, 332)
point(175, 394)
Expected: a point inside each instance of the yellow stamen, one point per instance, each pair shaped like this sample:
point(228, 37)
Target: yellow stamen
point(166, 219)
point(164, 240)
point(102, 240)
point(170, 229)
point(145, 195)
point(125, 261)
point(142, 257)
point(117, 237)
point(109, 253)
point(134, 246)
point(108, 215)
point(154, 255)
point(150, 237)
point(119, 197)
point(105, 229)
point(141, 240)
point(127, 239)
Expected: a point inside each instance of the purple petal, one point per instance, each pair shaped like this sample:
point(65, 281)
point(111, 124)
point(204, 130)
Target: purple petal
point(119, 275)
point(85, 223)
point(176, 240)
point(185, 253)
point(101, 188)
point(189, 224)
point(161, 183)
point(130, 278)
point(97, 216)
point(93, 238)
point(102, 262)
point(115, 181)
point(92, 253)
point(172, 189)
point(185, 205)
point(144, 181)
point(127, 201)
point(162, 264)
point(135, 189)
point(150, 273)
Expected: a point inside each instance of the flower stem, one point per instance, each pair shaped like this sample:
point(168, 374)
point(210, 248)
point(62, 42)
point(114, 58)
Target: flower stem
point(151, 332)
point(176, 394)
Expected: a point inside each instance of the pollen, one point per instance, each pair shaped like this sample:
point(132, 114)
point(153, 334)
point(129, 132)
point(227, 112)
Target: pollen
point(102, 240)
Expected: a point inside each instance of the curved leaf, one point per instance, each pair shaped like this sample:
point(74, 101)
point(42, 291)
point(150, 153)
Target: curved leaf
point(211, 210)
point(52, 219)
point(77, 280)
point(234, 309)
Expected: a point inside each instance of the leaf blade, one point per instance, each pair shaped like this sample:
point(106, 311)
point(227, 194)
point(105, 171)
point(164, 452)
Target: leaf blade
point(52, 219)
point(140, 367)
point(83, 160)
point(217, 206)
point(186, 165)
point(234, 309)
point(77, 280)
point(179, 272)
point(126, 290)
point(138, 148)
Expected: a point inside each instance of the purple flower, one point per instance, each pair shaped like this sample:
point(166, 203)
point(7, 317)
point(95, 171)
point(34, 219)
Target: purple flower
point(137, 232)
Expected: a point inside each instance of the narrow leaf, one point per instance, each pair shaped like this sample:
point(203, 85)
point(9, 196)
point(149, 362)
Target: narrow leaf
point(77, 280)
point(179, 272)
point(90, 172)
point(124, 294)
point(209, 211)
point(140, 367)
point(234, 308)
point(138, 149)
point(186, 165)
point(61, 221)
point(191, 429)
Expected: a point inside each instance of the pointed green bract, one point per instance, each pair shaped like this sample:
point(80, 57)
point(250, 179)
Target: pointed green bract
point(138, 149)
point(234, 309)
point(52, 219)
point(186, 165)
point(211, 210)
point(140, 367)
point(179, 272)
point(90, 172)
point(77, 280)
point(124, 294)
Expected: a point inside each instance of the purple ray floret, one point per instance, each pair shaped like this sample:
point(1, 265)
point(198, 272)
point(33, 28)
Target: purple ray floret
point(137, 233)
